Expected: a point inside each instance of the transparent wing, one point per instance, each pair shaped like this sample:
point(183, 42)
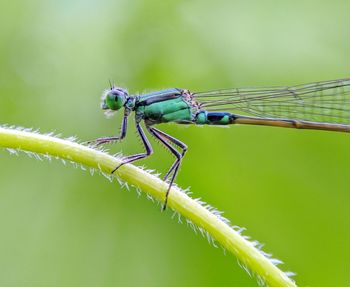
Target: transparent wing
point(327, 102)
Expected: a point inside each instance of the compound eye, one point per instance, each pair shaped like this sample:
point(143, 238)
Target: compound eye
point(114, 99)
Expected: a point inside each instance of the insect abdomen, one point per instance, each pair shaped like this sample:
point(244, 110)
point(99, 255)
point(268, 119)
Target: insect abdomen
point(214, 118)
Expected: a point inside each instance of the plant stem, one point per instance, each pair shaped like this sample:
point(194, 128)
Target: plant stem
point(191, 209)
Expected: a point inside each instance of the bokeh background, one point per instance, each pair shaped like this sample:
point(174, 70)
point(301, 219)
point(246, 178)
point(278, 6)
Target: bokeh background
point(59, 226)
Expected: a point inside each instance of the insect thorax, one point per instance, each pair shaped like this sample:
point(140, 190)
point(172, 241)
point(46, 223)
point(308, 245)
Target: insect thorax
point(179, 108)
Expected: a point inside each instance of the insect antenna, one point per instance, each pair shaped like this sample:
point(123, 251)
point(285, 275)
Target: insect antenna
point(110, 84)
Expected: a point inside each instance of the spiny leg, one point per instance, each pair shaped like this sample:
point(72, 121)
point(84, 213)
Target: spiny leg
point(164, 138)
point(135, 157)
point(175, 141)
point(122, 135)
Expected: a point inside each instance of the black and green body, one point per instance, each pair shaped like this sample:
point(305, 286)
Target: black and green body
point(176, 105)
point(322, 105)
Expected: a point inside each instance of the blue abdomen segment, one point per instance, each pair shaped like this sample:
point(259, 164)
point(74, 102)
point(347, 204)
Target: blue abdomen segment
point(214, 118)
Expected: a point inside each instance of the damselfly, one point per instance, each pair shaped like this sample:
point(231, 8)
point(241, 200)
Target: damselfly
point(321, 106)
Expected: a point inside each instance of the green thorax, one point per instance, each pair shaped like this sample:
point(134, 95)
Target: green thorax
point(171, 105)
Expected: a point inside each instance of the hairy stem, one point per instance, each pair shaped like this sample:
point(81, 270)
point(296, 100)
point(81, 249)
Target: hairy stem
point(191, 209)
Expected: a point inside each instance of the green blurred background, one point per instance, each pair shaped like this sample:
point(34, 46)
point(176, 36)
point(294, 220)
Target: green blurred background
point(289, 188)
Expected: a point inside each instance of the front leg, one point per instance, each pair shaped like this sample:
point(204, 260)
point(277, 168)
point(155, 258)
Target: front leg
point(135, 157)
point(122, 135)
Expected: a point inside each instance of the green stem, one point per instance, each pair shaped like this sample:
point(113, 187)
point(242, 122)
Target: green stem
point(230, 239)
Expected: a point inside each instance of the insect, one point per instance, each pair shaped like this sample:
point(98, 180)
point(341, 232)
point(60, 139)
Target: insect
point(321, 106)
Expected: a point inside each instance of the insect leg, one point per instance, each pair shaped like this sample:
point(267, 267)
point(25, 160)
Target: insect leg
point(135, 157)
point(176, 142)
point(122, 135)
point(165, 138)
